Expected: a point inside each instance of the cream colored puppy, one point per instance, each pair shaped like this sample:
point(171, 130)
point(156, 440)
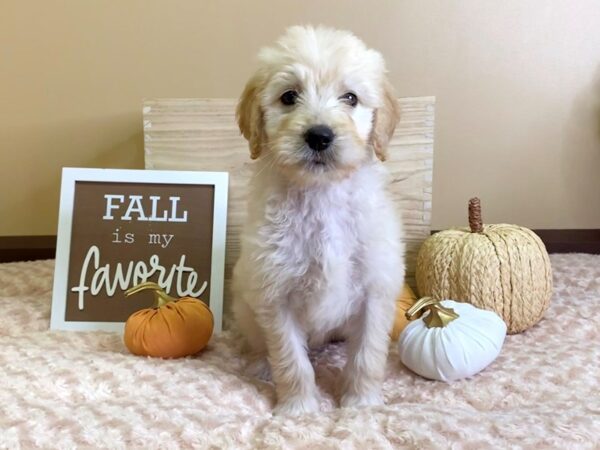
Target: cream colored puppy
point(321, 253)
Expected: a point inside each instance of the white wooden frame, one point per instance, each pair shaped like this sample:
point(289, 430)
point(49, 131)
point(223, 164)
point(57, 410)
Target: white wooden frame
point(70, 176)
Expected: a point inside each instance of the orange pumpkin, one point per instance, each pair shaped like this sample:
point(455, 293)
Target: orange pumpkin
point(171, 329)
point(404, 302)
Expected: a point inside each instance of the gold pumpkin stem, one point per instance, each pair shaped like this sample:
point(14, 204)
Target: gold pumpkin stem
point(161, 297)
point(419, 305)
point(475, 222)
point(438, 317)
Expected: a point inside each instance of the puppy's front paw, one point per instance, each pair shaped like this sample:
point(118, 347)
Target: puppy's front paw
point(296, 406)
point(352, 399)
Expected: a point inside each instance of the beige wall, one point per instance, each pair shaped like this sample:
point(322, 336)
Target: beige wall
point(517, 84)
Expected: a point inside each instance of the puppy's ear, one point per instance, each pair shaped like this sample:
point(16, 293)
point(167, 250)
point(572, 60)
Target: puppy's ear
point(250, 117)
point(385, 120)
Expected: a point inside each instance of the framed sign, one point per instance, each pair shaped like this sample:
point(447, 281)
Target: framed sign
point(119, 228)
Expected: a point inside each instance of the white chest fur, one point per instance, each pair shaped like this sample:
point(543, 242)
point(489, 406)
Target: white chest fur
point(318, 242)
point(309, 247)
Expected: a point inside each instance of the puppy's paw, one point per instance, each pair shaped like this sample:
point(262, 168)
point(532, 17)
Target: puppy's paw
point(297, 406)
point(259, 368)
point(355, 400)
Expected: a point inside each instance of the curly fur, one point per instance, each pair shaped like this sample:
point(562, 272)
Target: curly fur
point(321, 255)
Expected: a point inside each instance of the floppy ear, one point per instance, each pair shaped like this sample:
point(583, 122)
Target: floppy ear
point(249, 116)
point(385, 120)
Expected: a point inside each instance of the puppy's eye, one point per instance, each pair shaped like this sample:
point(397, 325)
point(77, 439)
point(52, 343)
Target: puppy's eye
point(289, 97)
point(349, 98)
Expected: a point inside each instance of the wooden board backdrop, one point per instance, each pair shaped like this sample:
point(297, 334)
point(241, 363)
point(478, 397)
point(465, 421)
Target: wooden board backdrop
point(202, 134)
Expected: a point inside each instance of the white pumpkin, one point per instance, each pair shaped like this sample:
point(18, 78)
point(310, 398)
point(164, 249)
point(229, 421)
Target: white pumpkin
point(451, 341)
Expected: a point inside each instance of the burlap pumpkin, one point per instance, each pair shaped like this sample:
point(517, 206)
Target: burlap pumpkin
point(503, 268)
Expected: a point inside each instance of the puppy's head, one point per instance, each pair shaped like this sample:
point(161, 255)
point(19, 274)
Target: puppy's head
point(319, 105)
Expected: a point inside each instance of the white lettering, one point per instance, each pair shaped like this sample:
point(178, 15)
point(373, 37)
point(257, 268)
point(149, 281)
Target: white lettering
point(153, 216)
point(178, 278)
point(93, 252)
point(174, 218)
point(158, 239)
point(109, 206)
point(135, 205)
point(167, 241)
point(116, 235)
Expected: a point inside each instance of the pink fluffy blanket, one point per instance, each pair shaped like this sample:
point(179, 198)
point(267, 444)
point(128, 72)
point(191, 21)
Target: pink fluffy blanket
point(84, 390)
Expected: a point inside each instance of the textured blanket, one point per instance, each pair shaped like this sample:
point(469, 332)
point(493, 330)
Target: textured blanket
point(84, 390)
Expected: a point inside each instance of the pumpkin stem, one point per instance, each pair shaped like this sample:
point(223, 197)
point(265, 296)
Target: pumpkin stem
point(160, 296)
point(439, 316)
point(475, 221)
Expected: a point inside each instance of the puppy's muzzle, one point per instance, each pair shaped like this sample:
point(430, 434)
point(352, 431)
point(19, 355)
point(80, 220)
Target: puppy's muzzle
point(319, 137)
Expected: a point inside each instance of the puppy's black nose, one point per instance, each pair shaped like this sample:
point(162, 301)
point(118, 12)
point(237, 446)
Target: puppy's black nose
point(319, 137)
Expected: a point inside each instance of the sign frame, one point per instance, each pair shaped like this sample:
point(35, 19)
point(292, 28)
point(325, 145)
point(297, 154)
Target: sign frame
point(71, 175)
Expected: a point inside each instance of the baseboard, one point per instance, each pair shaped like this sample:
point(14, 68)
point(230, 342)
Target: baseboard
point(27, 248)
point(571, 241)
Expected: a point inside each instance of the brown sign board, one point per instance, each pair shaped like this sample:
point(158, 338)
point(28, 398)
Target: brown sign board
point(120, 228)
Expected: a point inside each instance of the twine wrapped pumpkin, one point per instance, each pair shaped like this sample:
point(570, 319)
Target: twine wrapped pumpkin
point(503, 268)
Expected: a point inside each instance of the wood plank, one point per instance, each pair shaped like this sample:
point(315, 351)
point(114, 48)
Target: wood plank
point(202, 134)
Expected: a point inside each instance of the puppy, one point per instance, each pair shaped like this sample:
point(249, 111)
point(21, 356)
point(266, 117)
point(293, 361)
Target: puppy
point(321, 256)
